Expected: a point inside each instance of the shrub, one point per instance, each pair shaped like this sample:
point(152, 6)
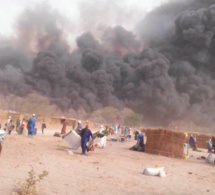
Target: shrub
point(29, 187)
point(133, 120)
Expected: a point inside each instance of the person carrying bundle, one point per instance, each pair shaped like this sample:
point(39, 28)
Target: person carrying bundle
point(86, 134)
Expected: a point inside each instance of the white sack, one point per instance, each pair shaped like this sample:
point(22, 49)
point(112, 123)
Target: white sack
point(153, 171)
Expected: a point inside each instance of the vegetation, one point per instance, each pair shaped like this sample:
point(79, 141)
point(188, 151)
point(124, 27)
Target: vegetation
point(110, 114)
point(133, 120)
point(29, 187)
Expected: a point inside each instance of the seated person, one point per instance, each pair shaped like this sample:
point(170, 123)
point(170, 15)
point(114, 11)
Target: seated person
point(140, 146)
point(140, 140)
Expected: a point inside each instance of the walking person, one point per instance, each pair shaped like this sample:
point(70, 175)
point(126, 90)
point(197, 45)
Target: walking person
point(43, 127)
point(65, 123)
point(85, 137)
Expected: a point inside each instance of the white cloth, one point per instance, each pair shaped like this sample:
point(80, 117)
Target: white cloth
point(2, 135)
point(101, 130)
point(102, 142)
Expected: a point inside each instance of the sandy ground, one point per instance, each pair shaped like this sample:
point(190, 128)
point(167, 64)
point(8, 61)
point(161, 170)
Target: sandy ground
point(113, 170)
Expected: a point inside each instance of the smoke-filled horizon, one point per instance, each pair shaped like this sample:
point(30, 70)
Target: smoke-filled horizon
point(163, 70)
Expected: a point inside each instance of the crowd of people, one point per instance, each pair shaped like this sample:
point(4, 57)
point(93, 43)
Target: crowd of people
point(22, 124)
point(210, 144)
point(86, 133)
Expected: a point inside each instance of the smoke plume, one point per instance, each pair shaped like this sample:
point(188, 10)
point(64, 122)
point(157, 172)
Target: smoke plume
point(164, 70)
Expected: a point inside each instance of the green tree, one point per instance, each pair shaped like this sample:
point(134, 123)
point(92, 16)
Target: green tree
point(110, 114)
point(133, 120)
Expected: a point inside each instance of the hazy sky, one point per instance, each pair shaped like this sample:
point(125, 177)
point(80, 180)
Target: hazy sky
point(122, 12)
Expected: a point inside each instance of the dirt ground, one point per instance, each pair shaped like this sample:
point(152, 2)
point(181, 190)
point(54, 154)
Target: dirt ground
point(112, 170)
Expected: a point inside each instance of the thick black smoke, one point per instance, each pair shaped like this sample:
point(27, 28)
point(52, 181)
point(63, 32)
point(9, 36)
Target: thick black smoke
point(172, 78)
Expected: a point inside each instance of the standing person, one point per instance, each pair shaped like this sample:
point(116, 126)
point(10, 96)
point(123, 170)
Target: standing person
point(22, 127)
point(101, 129)
point(119, 129)
point(18, 124)
point(2, 136)
point(43, 127)
point(213, 143)
point(126, 131)
point(116, 129)
point(65, 123)
point(79, 127)
point(31, 125)
point(85, 137)
point(192, 142)
point(209, 146)
point(9, 125)
point(140, 140)
point(136, 134)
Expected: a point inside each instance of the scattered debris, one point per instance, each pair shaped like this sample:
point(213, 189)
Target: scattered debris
point(186, 157)
point(201, 158)
point(210, 159)
point(70, 152)
point(57, 134)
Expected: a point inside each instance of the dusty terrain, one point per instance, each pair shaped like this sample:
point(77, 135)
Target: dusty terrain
point(113, 170)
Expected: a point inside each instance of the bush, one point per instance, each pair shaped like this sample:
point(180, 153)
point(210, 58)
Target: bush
point(29, 187)
point(111, 115)
point(133, 120)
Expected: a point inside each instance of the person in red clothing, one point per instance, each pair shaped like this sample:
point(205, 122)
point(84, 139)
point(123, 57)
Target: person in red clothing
point(22, 127)
point(65, 123)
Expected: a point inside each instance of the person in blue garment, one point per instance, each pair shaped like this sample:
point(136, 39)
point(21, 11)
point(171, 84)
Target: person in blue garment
point(139, 146)
point(85, 137)
point(140, 140)
point(31, 125)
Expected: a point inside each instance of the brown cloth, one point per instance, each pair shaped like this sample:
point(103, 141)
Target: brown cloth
point(63, 130)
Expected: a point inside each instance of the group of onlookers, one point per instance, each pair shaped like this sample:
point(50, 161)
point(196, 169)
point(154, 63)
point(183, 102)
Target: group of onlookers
point(210, 144)
point(21, 125)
